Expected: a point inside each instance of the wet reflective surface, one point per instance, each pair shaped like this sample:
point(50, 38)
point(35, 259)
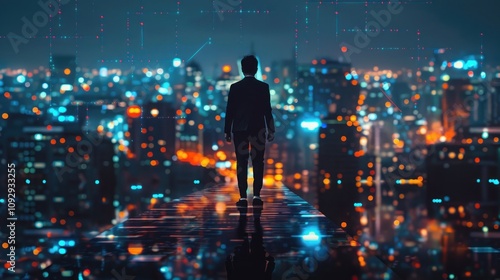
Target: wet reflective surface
point(205, 236)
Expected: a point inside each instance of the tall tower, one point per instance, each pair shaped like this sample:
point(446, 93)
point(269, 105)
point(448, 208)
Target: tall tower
point(336, 91)
point(338, 166)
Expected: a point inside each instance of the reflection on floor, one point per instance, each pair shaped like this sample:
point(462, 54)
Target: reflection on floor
point(205, 236)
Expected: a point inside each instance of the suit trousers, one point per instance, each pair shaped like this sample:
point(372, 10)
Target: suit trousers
point(250, 145)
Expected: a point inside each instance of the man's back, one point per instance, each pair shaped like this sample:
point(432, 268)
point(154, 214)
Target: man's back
point(248, 106)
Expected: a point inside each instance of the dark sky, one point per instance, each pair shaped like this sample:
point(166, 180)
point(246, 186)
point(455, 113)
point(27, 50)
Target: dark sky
point(271, 25)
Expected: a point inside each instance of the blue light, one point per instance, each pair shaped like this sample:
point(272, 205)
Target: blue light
point(176, 62)
point(62, 109)
point(21, 79)
point(71, 243)
point(446, 198)
point(61, 118)
point(437, 200)
point(386, 86)
point(358, 204)
point(495, 182)
point(348, 76)
point(103, 72)
point(28, 181)
point(61, 243)
point(312, 70)
point(62, 251)
point(196, 182)
point(471, 64)
point(310, 125)
point(339, 182)
point(311, 236)
point(478, 180)
point(97, 182)
point(324, 71)
point(44, 181)
point(136, 187)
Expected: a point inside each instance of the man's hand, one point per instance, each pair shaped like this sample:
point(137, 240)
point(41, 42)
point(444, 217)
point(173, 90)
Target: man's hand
point(270, 136)
point(228, 137)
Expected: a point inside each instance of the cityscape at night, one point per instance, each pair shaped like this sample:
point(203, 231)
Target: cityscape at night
point(385, 162)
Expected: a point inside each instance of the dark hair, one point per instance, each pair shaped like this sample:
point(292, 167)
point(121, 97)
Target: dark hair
point(249, 65)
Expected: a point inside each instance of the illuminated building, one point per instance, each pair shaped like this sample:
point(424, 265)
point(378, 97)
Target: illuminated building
point(325, 83)
point(62, 172)
point(463, 178)
point(63, 69)
point(338, 165)
point(152, 132)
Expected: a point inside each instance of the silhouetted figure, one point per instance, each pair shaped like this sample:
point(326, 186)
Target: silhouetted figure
point(248, 116)
point(249, 260)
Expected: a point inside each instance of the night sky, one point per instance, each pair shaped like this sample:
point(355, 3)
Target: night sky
point(278, 29)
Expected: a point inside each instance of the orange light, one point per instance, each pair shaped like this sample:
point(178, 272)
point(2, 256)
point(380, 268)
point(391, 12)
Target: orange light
point(343, 49)
point(135, 249)
point(134, 111)
point(5, 116)
point(276, 80)
point(67, 71)
point(226, 68)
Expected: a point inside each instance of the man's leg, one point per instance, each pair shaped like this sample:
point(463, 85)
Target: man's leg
point(242, 153)
point(258, 146)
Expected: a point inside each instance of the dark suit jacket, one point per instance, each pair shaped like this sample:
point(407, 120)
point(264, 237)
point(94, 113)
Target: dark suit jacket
point(249, 107)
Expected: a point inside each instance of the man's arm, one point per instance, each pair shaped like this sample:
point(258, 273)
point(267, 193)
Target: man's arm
point(269, 115)
point(229, 115)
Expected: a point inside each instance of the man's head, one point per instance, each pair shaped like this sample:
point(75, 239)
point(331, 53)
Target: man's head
point(249, 65)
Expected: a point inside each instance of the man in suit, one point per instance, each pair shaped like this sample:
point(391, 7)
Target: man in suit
point(248, 115)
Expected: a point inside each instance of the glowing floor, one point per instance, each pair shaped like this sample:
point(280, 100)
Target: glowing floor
point(205, 236)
